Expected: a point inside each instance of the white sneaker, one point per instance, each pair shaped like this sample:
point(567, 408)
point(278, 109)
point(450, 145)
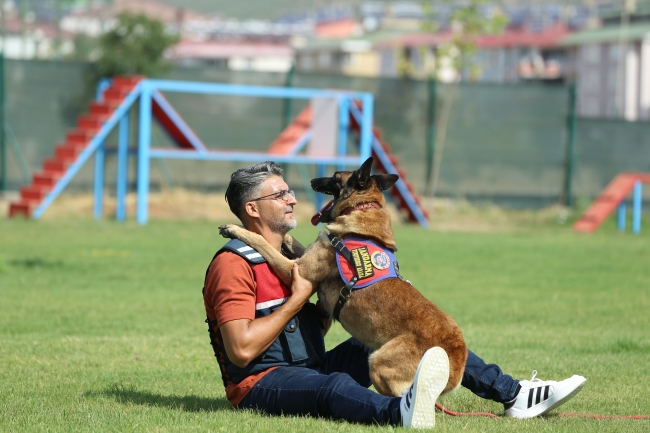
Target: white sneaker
point(418, 405)
point(538, 397)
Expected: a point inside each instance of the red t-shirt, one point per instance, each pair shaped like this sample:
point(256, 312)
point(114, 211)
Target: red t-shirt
point(230, 294)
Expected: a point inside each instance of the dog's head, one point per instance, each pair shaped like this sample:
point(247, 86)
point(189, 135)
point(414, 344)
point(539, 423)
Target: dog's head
point(353, 191)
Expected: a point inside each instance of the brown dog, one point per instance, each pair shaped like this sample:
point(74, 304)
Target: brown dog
point(390, 316)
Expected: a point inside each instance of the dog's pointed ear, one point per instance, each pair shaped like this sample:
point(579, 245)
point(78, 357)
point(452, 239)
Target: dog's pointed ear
point(385, 181)
point(323, 185)
point(361, 177)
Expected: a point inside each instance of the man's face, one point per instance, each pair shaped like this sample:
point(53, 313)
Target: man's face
point(277, 214)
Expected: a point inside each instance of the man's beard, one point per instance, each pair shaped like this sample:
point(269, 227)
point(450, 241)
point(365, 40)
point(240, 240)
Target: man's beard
point(281, 226)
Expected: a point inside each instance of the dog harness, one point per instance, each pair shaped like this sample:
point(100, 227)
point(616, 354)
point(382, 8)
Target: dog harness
point(361, 263)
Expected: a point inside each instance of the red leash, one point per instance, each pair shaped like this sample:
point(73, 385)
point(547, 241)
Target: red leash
point(575, 415)
point(452, 413)
point(587, 415)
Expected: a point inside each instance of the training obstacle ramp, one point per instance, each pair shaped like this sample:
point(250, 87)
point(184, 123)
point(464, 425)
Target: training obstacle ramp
point(334, 115)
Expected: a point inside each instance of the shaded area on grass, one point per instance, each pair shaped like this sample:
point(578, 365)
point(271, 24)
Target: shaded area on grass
point(36, 262)
point(187, 403)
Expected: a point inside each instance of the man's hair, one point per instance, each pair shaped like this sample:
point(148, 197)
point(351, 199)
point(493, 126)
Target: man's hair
point(245, 182)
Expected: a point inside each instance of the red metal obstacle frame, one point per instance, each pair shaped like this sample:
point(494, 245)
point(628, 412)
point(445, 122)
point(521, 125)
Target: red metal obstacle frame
point(613, 197)
point(76, 141)
point(88, 125)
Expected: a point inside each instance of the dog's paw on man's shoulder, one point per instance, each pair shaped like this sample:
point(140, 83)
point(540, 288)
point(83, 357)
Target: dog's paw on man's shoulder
point(229, 230)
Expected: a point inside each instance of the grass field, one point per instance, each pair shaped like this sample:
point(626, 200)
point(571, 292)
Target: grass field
point(101, 324)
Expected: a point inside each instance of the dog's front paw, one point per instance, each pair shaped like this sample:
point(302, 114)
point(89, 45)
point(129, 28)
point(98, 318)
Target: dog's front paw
point(229, 231)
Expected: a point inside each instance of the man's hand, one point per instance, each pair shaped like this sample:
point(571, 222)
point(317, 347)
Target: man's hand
point(300, 287)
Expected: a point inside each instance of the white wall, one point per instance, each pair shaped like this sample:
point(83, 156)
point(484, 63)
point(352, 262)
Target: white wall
point(631, 92)
point(32, 47)
point(644, 80)
point(614, 80)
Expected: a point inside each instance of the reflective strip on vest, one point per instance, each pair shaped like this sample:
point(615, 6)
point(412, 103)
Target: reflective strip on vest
point(269, 304)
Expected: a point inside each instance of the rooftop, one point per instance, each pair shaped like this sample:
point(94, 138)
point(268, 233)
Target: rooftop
point(631, 32)
point(221, 50)
point(510, 38)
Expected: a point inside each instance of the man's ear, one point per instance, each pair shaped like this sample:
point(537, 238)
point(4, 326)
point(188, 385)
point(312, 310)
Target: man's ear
point(251, 210)
point(385, 181)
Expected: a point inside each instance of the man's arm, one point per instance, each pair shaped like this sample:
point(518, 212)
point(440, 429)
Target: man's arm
point(245, 340)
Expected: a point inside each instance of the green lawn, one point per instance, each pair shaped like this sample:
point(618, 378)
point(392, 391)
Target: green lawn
point(101, 324)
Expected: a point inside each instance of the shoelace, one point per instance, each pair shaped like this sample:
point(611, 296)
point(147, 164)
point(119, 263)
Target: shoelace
point(535, 381)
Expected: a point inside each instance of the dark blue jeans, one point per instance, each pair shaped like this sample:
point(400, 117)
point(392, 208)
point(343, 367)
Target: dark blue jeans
point(487, 380)
point(339, 389)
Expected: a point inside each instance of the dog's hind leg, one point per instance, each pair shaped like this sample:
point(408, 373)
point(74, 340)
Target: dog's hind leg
point(457, 352)
point(393, 365)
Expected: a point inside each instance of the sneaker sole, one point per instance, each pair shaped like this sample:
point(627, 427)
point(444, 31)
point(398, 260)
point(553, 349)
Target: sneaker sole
point(554, 401)
point(433, 375)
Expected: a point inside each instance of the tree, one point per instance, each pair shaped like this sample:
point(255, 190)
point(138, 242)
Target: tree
point(468, 21)
point(86, 48)
point(135, 46)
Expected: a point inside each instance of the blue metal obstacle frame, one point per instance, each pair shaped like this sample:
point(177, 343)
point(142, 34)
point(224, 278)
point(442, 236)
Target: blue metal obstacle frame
point(148, 90)
point(636, 210)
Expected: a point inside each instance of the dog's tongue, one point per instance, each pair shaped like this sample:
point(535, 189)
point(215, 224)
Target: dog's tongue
point(316, 218)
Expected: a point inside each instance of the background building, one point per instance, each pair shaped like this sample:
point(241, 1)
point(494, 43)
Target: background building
point(612, 65)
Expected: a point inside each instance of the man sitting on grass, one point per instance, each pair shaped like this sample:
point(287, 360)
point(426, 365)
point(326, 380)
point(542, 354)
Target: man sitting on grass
point(268, 338)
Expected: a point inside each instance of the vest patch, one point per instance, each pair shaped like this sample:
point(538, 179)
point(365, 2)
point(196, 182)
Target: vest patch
point(380, 260)
point(362, 262)
point(372, 263)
